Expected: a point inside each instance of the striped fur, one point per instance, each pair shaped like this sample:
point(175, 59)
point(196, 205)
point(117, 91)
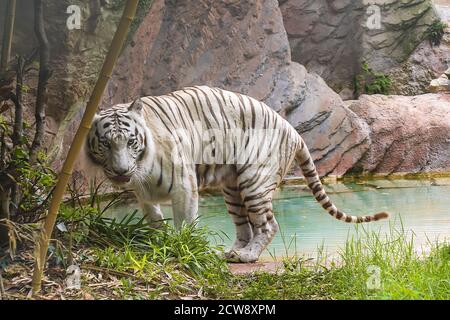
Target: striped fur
point(169, 147)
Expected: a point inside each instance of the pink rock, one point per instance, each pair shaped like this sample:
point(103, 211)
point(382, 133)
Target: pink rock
point(407, 134)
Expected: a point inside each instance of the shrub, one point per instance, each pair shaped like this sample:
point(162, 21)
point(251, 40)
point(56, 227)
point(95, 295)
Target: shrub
point(435, 32)
point(371, 82)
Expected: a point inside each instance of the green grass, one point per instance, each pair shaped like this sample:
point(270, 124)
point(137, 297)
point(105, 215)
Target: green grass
point(370, 266)
point(173, 264)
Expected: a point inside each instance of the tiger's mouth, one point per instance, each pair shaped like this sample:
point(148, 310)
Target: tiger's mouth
point(121, 179)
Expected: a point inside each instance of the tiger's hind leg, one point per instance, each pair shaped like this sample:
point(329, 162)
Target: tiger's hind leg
point(260, 213)
point(238, 213)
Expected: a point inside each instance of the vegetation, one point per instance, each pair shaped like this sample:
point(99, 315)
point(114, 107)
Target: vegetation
point(25, 178)
point(371, 82)
point(133, 259)
point(128, 260)
point(404, 274)
point(436, 32)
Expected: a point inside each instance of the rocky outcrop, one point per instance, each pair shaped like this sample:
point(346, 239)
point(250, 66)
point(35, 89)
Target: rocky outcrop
point(426, 63)
point(243, 46)
point(240, 46)
point(441, 84)
point(407, 134)
point(335, 136)
point(325, 36)
point(332, 38)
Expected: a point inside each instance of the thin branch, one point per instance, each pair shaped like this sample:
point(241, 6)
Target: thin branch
point(10, 14)
point(44, 75)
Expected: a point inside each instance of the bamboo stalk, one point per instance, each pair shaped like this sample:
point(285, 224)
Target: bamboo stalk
point(10, 15)
point(91, 108)
point(5, 200)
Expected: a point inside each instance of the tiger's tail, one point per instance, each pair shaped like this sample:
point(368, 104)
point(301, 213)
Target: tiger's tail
point(306, 163)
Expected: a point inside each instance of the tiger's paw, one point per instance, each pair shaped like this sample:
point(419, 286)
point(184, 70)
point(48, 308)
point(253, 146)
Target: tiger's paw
point(243, 256)
point(158, 225)
point(231, 256)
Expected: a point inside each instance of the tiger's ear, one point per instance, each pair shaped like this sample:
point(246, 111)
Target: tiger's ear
point(95, 119)
point(136, 106)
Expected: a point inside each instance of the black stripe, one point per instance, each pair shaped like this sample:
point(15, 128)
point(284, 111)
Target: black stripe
point(305, 163)
point(321, 197)
point(171, 181)
point(160, 179)
point(159, 116)
point(234, 204)
point(205, 118)
point(242, 110)
point(211, 109)
point(252, 108)
point(317, 189)
point(259, 195)
point(326, 205)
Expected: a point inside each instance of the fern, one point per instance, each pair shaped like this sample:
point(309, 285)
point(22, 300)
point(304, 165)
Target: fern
point(371, 82)
point(435, 32)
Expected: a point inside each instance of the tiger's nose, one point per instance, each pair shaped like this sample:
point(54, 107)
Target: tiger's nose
point(120, 172)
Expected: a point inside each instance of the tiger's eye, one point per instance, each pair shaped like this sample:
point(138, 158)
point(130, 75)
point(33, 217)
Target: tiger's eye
point(130, 143)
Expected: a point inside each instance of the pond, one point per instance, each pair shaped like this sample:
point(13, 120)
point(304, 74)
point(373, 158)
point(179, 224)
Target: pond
point(421, 207)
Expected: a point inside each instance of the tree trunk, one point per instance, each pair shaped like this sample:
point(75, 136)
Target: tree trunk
point(44, 75)
point(10, 14)
point(18, 112)
point(17, 131)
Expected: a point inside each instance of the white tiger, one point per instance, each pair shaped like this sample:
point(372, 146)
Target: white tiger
point(170, 146)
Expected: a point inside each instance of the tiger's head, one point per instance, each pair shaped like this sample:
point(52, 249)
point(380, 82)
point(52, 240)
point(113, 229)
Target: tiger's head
point(118, 141)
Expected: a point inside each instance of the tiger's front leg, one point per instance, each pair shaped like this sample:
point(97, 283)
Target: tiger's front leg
point(185, 200)
point(185, 207)
point(152, 213)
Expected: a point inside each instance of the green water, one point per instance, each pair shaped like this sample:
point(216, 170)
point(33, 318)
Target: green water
point(417, 206)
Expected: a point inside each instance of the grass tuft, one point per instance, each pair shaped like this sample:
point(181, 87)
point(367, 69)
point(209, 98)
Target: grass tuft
point(370, 266)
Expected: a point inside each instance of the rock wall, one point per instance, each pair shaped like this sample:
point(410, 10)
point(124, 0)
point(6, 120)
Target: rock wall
point(407, 134)
point(333, 37)
point(426, 63)
point(75, 60)
point(237, 45)
point(240, 46)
